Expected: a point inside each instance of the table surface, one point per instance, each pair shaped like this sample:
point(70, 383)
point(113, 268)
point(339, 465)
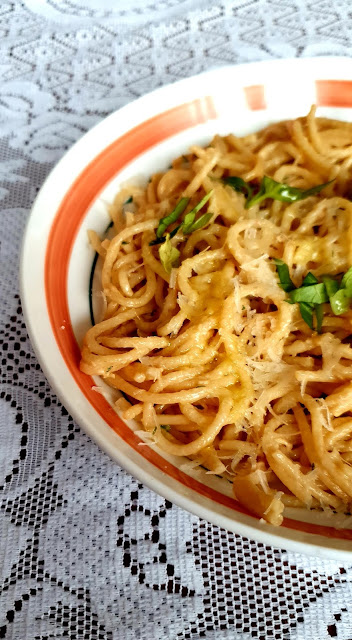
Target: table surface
point(85, 551)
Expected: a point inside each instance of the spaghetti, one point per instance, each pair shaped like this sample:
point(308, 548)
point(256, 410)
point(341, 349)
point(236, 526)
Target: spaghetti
point(198, 333)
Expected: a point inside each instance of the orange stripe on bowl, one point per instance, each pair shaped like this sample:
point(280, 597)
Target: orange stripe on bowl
point(255, 97)
point(334, 93)
point(65, 227)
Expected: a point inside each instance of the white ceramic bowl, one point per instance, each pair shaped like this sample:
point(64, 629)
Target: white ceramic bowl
point(130, 145)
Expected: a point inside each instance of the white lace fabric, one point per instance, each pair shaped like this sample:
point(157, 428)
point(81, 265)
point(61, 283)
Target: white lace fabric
point(86, 552)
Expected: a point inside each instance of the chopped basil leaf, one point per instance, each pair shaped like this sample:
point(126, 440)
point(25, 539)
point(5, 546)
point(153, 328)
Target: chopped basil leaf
point(309, 279)
point(340, 302)
point(188, 225)
point(339, 295)
point(346, 282)
point(169, 255)
point(314, 190)
point(306, 306)
point(188, 222)
point(319, 312)
point(269, 188)
point(238, 184)
point(157, 241)
point(166, 427)
point(163, 238)
point(202, 202)
point(314, 294)
point(174, 231)
point(108, 369)
point(307, 313)
point(284, 275)
point(200, 223)
point(331, 285)
point(172, 217)
point(128, 201)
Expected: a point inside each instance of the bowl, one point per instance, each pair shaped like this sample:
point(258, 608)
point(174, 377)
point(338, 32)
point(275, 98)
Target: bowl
point(57, 273)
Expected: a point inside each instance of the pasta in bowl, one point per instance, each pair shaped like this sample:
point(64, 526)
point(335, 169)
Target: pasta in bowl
point(227, 285)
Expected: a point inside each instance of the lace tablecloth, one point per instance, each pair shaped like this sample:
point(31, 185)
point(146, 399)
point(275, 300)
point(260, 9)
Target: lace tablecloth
point(85, 551)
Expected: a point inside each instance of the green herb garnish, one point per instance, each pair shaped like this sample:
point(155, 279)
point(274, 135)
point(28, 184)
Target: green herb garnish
point(163, 238)
point(312, 294)
point(346, 282)
point(319, 313)
point(165, 222)
point(270, 188)
point(240, 185)
point(340, 302)
point(166, 427)
point(339, 294)
point(198, 224)
point(331, 285)
point(189, 219)
point(309, 279)
point(307, 313)
point(189, 223)
point(284, 275)
point(169, 255)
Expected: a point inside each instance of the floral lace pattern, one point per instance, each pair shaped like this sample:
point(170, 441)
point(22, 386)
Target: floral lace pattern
point(86, 552)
